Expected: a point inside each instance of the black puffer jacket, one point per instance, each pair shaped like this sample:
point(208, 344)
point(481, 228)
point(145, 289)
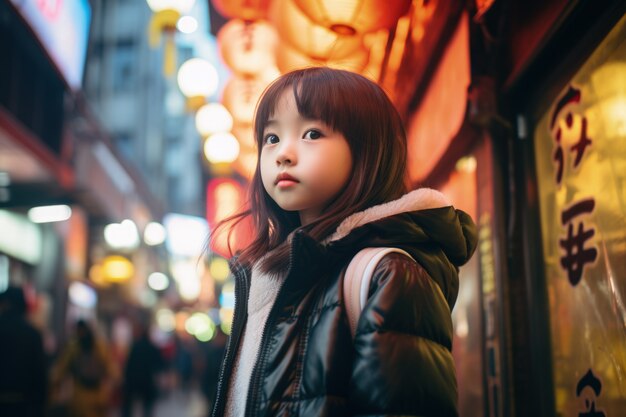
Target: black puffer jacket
point(399, 362)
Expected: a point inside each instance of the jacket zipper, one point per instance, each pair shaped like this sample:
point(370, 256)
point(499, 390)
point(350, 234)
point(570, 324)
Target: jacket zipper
point(241, 290)
point(255, 379)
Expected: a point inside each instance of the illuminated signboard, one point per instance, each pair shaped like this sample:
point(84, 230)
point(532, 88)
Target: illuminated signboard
point(580, 149)
point(224, 198)
point(62, 27)
point(20, 238)
point(186, 235)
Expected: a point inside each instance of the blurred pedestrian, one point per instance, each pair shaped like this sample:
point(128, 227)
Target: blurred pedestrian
point(86, 361)
point(214, 353)
point(140, 374)
point(23, 379)
point(183, 363)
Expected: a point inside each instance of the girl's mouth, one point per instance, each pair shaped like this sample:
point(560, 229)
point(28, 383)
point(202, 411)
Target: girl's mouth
point(286, 183)
point(284, 180)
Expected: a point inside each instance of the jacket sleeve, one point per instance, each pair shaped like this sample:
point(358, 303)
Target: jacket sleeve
point(403, 363)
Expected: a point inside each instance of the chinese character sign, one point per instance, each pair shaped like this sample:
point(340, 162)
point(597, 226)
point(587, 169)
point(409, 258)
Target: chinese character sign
point(580, 154)
point(589, 388)
point(577, 255)
point(572, 96)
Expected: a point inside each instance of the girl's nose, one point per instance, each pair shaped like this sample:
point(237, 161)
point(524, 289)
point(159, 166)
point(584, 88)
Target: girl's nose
point(286, 154)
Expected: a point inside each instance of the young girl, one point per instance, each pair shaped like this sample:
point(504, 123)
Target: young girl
point(330, 182)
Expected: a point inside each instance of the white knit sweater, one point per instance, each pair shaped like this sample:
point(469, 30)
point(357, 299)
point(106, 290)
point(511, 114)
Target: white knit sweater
point(263, 291)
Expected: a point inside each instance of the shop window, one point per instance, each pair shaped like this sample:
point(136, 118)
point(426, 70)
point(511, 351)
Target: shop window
point(580, 150)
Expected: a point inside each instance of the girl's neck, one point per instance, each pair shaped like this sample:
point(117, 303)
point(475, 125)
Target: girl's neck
point(307, 218)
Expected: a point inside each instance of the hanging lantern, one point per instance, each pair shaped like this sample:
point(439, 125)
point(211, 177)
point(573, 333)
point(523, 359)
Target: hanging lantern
point(197, 79)
point(242, 94)
point(248, 48)
point(163, 21)
point(213, 118)
point(246, 162)
point(187, 24)
point(349, 17)
point(242, 9)
point(221, 148)
point(289, 59)
point(295, 28)
point(240, 98)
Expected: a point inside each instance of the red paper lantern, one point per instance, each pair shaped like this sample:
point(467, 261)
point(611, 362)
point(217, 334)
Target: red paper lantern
point(295, 28)
point(246, 163)
point(349, 17)
point(242, 9)
point(248, 48)
point(289, 59)
point(241, 95)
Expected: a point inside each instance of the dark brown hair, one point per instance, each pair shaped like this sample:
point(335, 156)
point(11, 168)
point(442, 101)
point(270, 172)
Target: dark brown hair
point(361, 111)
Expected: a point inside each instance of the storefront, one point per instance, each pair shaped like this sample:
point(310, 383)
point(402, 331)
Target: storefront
point(565, 98)
point(518, 114)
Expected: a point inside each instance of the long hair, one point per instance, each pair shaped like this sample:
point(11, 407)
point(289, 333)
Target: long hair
point(358, 109)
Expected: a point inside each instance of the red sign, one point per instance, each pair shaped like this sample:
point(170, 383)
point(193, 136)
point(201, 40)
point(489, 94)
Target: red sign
point(226, 197)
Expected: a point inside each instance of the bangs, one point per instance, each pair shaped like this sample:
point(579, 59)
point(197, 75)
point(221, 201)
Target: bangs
point(319, 95)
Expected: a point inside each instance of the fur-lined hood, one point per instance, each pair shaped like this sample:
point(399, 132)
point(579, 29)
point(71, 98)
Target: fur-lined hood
point(420, 199)
point(423, 223)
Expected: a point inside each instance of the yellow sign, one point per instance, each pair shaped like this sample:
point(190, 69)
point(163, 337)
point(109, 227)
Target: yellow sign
point(580, 145)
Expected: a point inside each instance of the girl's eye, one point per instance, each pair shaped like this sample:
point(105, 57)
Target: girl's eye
point(271, 139)
point(312, 134)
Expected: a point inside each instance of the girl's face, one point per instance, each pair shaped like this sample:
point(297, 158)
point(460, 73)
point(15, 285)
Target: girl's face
point(304, 163)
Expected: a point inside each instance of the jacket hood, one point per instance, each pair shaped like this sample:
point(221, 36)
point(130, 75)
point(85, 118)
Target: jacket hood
point(424, 223)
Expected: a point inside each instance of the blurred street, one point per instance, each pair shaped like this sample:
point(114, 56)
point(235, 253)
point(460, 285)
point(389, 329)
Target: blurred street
point(179, 404)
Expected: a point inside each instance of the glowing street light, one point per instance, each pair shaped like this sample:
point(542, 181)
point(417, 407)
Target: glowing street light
point(213, 118)
point(221, 148)
point(49, 214)
point(154, 234)
point(117, 269)
point(158, 281)
point(122, 235)
point(197, 79)
point(218, 268)
point(187, 24)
